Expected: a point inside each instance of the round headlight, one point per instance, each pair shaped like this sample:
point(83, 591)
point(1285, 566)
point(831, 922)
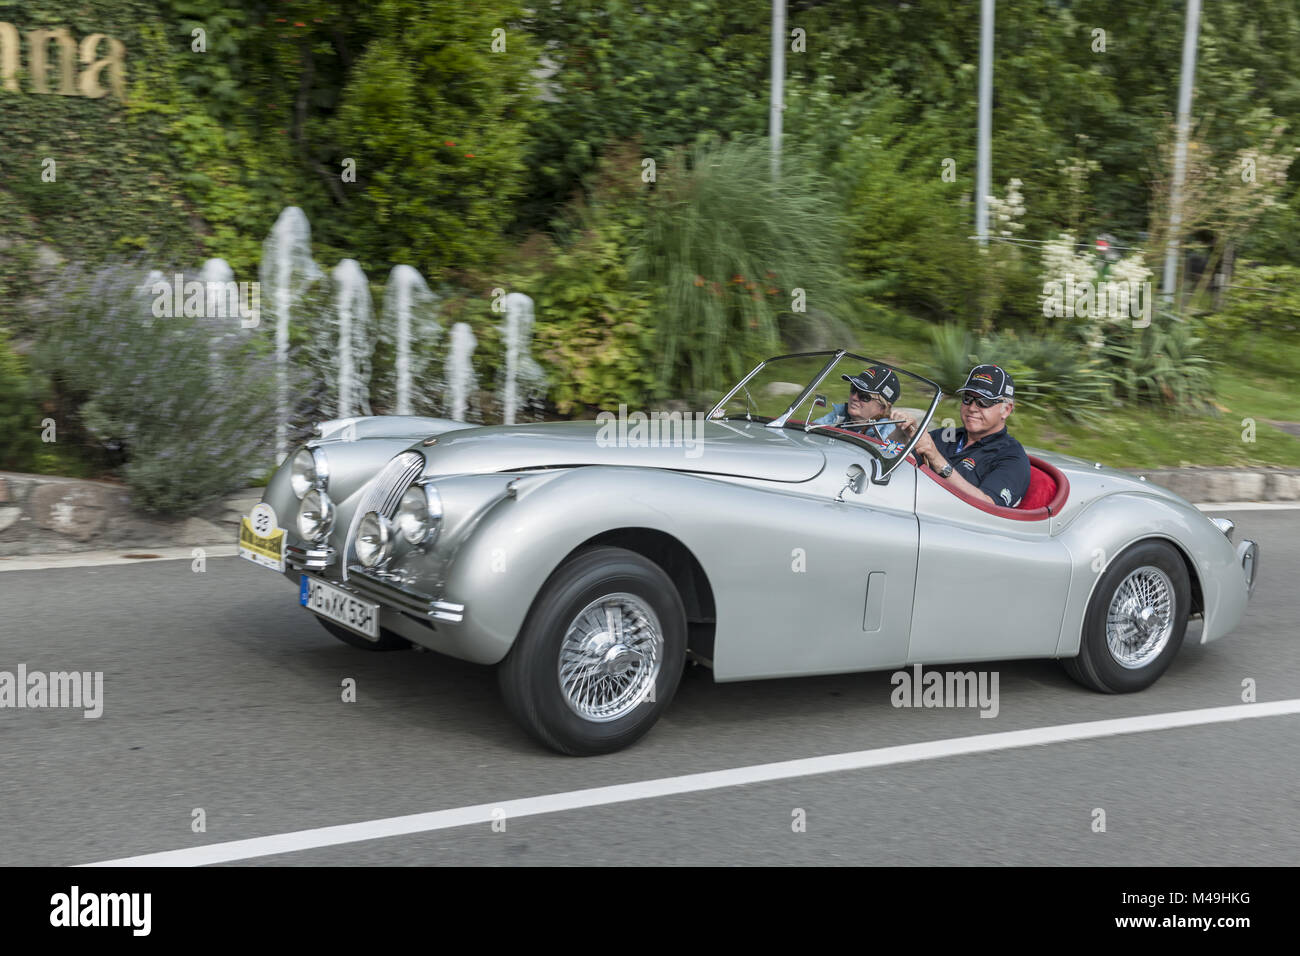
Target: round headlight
point(412, 518)
point(315, 516)
point(302, 477)
point(373, 540)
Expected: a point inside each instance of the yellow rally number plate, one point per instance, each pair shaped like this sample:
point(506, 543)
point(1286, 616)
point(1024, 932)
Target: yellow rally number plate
point(262, 543)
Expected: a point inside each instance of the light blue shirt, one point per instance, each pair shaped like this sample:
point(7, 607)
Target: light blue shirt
point(839, 413)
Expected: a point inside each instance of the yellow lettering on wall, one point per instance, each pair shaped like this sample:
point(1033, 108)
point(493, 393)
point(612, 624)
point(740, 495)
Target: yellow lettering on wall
point(38, 42)
point(9, 56)
point(89, 81)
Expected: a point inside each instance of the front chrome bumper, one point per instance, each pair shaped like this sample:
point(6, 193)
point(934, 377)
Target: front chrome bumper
point(309, 559)
point(382, 587)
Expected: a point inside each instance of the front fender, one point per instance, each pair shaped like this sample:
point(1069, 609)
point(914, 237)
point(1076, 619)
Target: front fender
point(1111, 524)
point(499, 565)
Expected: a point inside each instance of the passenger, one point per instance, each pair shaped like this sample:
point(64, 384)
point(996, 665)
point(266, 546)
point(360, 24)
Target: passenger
point(983, 460)
point(871, 396)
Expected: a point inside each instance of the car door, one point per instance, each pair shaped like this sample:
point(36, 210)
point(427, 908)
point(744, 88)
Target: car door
point(818, 586)
point(987, 587)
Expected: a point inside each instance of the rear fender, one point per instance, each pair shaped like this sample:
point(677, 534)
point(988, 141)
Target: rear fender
point(1114, 523)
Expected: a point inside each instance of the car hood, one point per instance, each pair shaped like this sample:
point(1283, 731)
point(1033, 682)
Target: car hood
point(717, 448)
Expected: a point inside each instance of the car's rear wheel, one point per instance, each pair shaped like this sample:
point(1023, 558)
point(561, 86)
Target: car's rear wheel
point(1135, 621)
point(388, 641)
point(600, 655)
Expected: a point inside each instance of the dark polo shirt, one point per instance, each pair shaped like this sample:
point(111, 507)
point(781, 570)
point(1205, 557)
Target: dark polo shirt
point(996, 464)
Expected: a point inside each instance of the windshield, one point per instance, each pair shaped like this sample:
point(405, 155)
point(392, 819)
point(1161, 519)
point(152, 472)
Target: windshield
point(840, 394)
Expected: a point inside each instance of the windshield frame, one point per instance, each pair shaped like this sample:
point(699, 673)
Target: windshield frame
point(887, 466)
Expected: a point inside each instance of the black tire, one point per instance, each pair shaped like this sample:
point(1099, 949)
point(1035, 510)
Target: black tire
point(530, 674)
point(388, 641)
point(1097, 667)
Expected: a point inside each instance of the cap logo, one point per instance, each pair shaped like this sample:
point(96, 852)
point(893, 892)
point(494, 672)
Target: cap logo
point(887, 392)
point(982, 377)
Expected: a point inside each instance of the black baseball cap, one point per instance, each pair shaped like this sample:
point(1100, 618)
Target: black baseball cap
point(877, 380)
point(989, 381)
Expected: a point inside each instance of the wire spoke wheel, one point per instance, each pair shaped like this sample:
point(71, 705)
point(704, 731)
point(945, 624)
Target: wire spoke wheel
point(1141, 616)
point(610, 657)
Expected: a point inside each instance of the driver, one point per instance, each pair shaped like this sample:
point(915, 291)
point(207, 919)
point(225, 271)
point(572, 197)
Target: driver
point(982, 460)
point(871, 395)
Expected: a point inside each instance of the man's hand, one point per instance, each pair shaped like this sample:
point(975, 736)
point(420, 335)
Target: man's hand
point(924, 449)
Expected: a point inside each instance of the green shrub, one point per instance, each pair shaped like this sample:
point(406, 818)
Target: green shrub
point(1263, 299)
point(182, 406)
point(726, 251)
point(1162, 364)
point(20, 412)
point(910, 231)
point(594, 329)
point(1049, 372)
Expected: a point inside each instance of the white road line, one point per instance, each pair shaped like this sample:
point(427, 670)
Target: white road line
point(1251, 506)
point(692, 783)
point(94, 559)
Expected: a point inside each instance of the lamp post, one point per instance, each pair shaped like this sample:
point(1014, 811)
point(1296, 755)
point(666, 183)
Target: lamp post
point(985, 122)
point(1180, 149)
point(778, 84)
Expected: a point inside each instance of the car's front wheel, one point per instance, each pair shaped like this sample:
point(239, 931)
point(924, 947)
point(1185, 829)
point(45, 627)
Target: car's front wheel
point(1135, 621)
point(600, 655)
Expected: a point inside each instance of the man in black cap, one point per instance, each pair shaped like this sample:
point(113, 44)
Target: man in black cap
point(871, 396)
point(983, 460)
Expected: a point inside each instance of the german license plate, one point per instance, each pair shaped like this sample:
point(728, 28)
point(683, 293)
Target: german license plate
point(339, 606)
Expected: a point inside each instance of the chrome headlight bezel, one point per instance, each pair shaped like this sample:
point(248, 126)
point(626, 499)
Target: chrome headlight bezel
point(419, 514)
point(318, 502)
point(374, 543)
point(308, 470)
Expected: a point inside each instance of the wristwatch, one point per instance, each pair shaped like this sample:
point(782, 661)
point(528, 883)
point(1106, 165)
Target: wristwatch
point(946, 470)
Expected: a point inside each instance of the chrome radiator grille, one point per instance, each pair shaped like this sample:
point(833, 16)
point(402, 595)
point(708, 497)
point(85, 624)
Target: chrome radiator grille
point(382, 495)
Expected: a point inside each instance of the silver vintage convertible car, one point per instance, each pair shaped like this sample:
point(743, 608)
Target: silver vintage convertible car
point(589, 559)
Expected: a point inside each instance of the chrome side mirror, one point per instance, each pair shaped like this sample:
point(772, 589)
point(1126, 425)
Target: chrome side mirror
point(857, 479)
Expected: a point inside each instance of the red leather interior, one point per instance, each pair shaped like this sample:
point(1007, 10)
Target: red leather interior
point(1041, 473)
point(1048, 488)
point(1042, 489)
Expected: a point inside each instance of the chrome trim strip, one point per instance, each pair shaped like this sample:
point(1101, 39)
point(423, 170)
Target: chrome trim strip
point(1226, 525)
point(385, 487)
point(401, 598)
point(309, 559)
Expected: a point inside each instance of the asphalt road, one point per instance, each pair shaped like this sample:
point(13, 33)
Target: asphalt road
point(220, 693)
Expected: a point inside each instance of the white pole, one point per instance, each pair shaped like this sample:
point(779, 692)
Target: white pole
point(1185, 83)
point(778, 82)
point(985, 122)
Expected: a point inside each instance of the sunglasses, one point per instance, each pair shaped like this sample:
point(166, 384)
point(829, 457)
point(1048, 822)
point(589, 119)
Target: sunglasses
point(862, 396)
point(981, 402)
